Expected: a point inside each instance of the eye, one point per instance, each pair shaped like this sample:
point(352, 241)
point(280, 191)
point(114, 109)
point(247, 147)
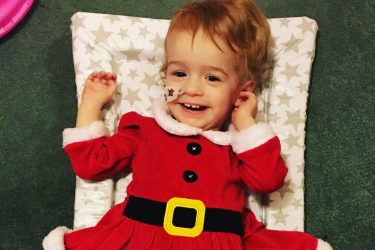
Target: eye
point(179, 74)
point(212, 78)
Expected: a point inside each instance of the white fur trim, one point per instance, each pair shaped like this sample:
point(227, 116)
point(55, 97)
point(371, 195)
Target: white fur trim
point(218, 137)
point(164, 119)
point(55, 239)
point(251, 137)
point(322, 245)
point(93, 131)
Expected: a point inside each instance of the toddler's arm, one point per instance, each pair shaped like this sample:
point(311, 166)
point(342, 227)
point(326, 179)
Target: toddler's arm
point(93, 154)
point(98, 90)
point(245, 111)
point(258, 148)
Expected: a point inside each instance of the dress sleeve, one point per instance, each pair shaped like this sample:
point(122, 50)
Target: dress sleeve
point(258, 149)
point(95, 155)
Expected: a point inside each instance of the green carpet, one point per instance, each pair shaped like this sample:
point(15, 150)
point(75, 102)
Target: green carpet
point(37, 100)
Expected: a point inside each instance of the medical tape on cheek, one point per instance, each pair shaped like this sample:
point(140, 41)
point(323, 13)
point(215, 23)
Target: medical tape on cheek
point(171, 93)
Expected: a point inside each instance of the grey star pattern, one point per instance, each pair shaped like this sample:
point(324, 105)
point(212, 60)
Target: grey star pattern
point(297, 203)
point(307, 26)
point(290, 71)
point(132, 73)
point(120, 55)
point(302, 87)
point(278, 64)
point(280, 217)
point(158, 41)
point(287, 188)
point(300, 168)
point(133, 96)
point(96, 65)
point(284, 22)
point(114, 18)
point(79, 22)
point(284, 99)
point(77, 69)
point(90, 50)
point(293, 44)
point(152, 59)
point(149, 79)
point(134, 54)
point(143, 32)
point(101, 34)
point(294, 119)
point(292, 140)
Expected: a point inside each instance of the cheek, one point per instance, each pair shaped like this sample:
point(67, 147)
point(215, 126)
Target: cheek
point(234, 94)
point(171, 105)
point(225, 102)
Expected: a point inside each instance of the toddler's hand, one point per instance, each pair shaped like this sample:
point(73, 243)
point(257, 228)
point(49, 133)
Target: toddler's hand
point(99, 89)
point(245, 111)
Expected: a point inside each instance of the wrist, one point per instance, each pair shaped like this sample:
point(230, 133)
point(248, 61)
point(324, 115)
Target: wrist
point(244, 123)
point(90, 104)
point(87, 114)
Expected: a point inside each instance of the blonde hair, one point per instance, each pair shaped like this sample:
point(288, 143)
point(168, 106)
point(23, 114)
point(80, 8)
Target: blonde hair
point(239, 23)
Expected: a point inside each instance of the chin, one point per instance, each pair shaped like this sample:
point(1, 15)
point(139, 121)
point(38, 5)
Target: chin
point(196, 124)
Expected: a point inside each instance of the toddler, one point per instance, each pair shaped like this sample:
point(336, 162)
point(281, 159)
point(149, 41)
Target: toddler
point(192, 161)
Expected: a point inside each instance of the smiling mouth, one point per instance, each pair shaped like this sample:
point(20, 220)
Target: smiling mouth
point(193, 107)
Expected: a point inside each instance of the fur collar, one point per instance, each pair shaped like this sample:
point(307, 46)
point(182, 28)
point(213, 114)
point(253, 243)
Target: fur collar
point(165, 121)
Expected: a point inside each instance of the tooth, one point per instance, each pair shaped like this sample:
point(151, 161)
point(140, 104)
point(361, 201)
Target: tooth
point(192, 106)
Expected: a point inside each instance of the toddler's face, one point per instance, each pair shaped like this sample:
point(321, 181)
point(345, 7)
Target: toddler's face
point(209, 78)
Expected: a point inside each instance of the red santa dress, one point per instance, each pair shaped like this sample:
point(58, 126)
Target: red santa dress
point(187, 190)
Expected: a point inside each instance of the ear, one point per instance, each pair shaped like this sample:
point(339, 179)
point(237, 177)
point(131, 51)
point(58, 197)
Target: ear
point(248, 86)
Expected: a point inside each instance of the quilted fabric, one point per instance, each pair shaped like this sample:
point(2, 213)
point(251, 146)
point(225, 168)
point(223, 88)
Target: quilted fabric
point(132, 47)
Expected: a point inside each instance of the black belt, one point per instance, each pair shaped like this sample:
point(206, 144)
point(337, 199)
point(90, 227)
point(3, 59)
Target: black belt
point(183, 217)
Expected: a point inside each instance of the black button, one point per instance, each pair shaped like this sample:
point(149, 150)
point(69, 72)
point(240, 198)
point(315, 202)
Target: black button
point(190, 176)
point(194, 148)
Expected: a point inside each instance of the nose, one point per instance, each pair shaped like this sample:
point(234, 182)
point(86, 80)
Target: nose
point(192, 86)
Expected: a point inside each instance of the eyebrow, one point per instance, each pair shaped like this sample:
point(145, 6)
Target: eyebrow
point(179, 63)
point(218, 69)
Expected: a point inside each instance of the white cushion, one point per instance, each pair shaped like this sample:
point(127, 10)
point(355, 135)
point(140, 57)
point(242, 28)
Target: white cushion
point(132, 47)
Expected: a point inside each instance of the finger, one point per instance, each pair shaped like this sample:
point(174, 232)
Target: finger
point(111, 82)
point(109, 76)
point(92, 75)
point(112, 85)
point(102, 74)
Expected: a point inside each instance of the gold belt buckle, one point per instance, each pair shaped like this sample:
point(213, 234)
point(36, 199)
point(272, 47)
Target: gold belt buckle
point(197, 205)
